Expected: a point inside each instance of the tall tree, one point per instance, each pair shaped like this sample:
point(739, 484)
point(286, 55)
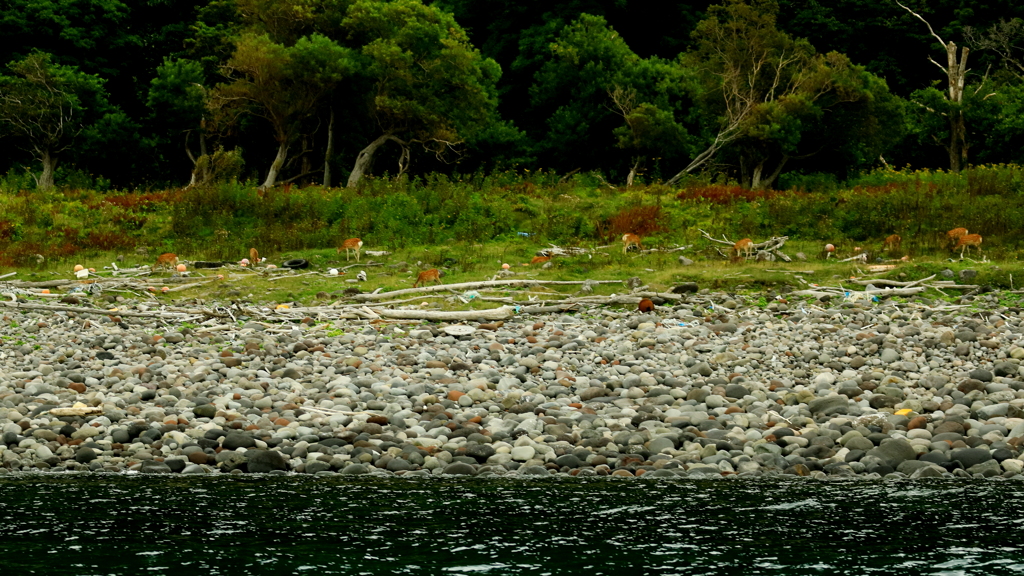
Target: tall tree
point(178, 98)
point(424, 83)
point(773, 95)
point(46, 106)
point(955, 70)
point(281, 84)
point(594, 88)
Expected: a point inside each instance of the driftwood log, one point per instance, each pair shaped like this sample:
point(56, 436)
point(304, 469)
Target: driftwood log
point(771, 245)
point(473, 286)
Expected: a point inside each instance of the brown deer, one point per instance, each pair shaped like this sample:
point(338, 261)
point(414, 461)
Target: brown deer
point(254, 256)
point(167, 259)
point(352, 244)
point(955, 234)
point(744, 246)
point(540, 259)
point(892, 243)
point(966, 241)
point(630, 240)
point(432, 275)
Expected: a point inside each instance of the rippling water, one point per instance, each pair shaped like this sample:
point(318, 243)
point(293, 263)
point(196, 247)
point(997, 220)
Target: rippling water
point(86, 525)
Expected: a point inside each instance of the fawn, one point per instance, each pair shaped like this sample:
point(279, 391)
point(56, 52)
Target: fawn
point(955, 234)
point(351, 244)
point(892, 243)
point(540, 259)
point(744, 246)
point(966, 241)
point(168, 259)
point(630, 240)
point(426, 276)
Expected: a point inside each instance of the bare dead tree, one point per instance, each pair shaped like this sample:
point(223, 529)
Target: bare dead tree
point(1002, 38)
point(956, 76)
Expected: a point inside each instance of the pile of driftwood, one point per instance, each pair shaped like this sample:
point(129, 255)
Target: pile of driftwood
point(882, 288)
point(767, 251)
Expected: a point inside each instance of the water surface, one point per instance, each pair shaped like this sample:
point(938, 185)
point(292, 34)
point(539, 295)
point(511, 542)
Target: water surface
point(98, 525)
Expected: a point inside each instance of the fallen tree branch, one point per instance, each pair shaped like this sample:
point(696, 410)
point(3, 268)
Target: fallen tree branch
point(474, 285)
point(884, 282)
point(95, 310)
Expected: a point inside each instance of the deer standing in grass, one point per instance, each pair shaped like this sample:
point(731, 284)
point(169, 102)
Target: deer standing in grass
point(744, 246)
point(432, 275)
point(955, 234)
point(892, 243)
point(630, 240)
point(965, 243)
point(352, 244)
point(167, 259)
point(254, 256)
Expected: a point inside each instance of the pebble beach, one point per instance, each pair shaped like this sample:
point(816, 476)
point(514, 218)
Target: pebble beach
point(713, 386)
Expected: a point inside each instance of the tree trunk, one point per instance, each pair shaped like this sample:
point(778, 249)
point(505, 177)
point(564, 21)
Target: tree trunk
point(632, 172)
point(365, 160)
point(957, 141)
point(275, 168)
point(957, 73)
point(330, 150)
point(45, 181)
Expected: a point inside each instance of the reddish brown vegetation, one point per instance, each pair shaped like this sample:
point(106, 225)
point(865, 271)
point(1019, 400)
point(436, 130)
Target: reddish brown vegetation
point(641, 220)
point(718, 194)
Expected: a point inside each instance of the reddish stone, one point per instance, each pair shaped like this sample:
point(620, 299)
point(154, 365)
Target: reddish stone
point(77, 387)
point(575, 405)
point(733, 409)
point(621, 472)
point(641, 472)
point(198, 458)
point(376, 419)
point(645, 305)
point(917, 422)
point(538, 325)
point(454, 395)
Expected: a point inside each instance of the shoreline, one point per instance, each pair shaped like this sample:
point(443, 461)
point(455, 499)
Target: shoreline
point(686, 391)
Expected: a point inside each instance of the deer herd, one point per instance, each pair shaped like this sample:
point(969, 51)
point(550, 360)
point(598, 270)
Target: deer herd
point(957, 238)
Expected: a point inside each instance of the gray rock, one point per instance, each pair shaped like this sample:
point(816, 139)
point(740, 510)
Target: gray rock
point(969, 457)
point(236, 440)
point(355, 469)
point(893, 452)
point(829, 405)
point(460, 469)
point(263, 461)
point(154, 467)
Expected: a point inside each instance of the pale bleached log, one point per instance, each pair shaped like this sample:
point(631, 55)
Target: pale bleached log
point(474, 285)
point(884, 282)
point(29, 306)
point(503, 313)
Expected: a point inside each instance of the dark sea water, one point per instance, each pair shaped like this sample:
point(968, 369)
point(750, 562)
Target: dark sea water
point(87, 525)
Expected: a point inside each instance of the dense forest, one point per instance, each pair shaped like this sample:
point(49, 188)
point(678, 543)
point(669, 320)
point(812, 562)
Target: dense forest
point(152, 94)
